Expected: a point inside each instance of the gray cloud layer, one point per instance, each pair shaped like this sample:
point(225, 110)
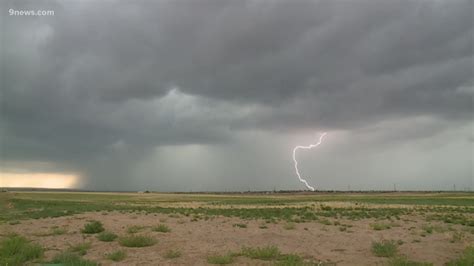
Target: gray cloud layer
point(99, 87)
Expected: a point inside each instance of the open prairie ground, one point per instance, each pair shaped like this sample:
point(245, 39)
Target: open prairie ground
point(75, 228)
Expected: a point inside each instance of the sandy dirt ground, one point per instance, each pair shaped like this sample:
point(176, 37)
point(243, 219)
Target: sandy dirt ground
point(196, 240)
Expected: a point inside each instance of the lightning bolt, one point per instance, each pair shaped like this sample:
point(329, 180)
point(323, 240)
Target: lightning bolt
point(306, 148)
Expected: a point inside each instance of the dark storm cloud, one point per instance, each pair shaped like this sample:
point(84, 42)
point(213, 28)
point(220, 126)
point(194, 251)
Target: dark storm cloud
point(100, 77)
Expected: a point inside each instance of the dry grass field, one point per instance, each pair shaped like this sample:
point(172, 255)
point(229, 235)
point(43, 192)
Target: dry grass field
point(241, 229)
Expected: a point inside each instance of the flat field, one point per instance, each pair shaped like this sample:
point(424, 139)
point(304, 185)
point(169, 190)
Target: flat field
point(75, 228)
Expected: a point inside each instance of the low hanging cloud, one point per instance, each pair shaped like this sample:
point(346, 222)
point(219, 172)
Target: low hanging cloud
point(102, 88)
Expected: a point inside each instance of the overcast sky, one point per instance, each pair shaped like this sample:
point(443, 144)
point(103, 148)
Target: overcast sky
point(213, 95)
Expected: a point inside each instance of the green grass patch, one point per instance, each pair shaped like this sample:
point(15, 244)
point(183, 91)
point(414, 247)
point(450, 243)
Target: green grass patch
point(162, 228)
point(106, 236)
point(272, 253)
point(17, 250)
point(134, 229)
point(466, 259)
point(427, 228)
point(325, 207)
point(380, 226)
point(70, 258)
point(261, 253)
point(58, 231)
point(220, 259)
point(118, 255)
point(290, 260)
point(93, 227)
point(137, 241)
point(81, 248)
point(384, 248)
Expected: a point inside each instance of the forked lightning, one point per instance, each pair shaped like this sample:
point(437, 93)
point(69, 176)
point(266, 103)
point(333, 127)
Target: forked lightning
point(296, 162)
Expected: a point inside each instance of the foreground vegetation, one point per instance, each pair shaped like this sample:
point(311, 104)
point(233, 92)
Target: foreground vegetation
point(266, 253)
point(447, 214)
point(17, 250)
